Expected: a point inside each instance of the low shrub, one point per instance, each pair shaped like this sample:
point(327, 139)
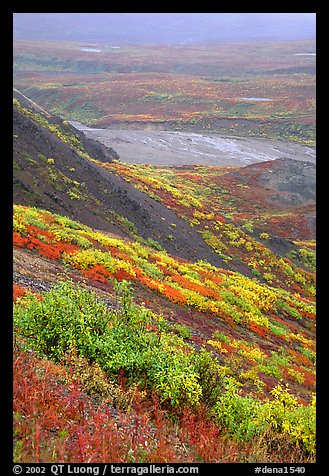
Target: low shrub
point(245, 418)
point(121, 341)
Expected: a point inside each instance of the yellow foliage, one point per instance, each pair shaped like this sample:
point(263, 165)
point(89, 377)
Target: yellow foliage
point(85, 259)
point(217, 345)
point(124, 265)
point(261, 296)
point(260, 320)
point(203, 216)
point(300, 338)
point(252, 353)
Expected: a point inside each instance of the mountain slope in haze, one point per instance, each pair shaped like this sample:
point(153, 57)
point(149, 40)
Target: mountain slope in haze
point(286, 182)
point(278, 196)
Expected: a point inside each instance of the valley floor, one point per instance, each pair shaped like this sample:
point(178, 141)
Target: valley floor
point(174, 148)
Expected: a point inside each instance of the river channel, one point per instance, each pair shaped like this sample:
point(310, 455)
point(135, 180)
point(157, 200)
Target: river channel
point(183, 148)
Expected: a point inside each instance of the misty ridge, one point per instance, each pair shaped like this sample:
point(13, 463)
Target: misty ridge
point(164, 28)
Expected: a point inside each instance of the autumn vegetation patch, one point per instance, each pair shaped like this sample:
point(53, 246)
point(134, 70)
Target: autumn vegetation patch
point(125, 345)
point(240, 386)
point(130, 353)
point(140, 86)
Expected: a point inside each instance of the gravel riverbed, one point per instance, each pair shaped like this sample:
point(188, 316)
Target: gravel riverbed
point(184, 148)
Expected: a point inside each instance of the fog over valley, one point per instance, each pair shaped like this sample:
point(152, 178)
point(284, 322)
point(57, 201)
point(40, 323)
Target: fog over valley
point(165, 28)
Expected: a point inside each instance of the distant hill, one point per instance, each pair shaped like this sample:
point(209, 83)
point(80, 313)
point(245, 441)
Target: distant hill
point(165, 28)
point(283, 182)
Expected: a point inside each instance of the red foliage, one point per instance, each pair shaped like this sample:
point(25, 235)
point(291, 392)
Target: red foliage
point(121, 274)
point(58, 422)
point(18, 291)
point(307, 315)
point(204, 438)
point(199, 288)
point(34, 231)
point(309, 378)
point(150, 327)
point(52, 251)
point(19, 240)
point(198, 340)
point(259, 330)
point(67, 247)
point(49, 251)
point(97, 272)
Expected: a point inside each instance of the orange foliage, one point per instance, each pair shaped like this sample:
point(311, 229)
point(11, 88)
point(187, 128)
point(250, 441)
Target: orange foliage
point(18, 291)
point(199, 288)
point(121, 274)
point(51, 251)
point(19, 240)
point(119, 254)
point(261, 331)
point(97, 273)
point(300, 358)
point(174, 295)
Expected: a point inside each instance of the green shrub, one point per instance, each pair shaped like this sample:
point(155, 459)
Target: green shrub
point(239, 416)
point(245, 418)
point(67, 316)
point(153, 244)
point(184, 331)
point(121, 342)
point(211, 376)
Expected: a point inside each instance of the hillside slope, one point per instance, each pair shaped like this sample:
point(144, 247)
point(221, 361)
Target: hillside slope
point(156, 318)
point(53, 171)
point(278, 195)
point(194, 339)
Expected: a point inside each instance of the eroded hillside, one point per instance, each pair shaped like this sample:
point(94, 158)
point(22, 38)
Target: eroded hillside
point(53, 170)
point(172, 308)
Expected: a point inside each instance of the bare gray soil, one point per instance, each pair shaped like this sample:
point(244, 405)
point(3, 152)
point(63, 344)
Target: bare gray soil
point(174, 148)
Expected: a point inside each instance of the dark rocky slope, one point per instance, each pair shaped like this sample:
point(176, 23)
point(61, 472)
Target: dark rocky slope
point(282, 182)
point(54, 175)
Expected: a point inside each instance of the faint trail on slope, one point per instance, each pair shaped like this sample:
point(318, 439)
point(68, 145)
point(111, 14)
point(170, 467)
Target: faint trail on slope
point(34, 104)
